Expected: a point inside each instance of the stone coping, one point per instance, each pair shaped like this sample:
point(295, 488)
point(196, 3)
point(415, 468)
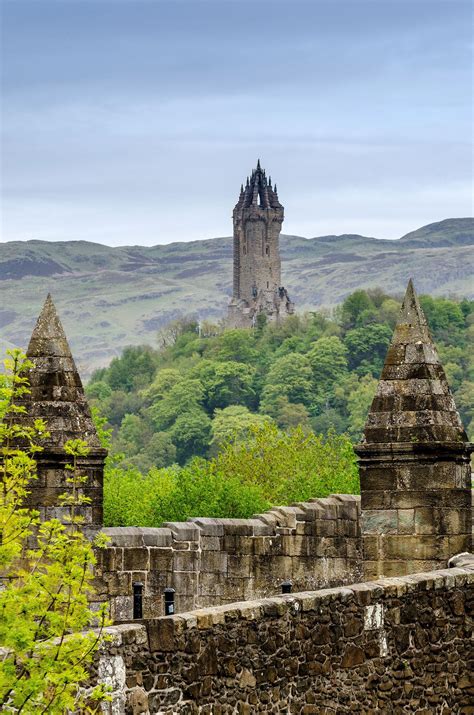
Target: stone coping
point(336, 506)
point(161, 631)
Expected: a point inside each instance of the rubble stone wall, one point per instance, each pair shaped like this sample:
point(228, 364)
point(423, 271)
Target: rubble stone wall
point(394, 645)
point(212, 562)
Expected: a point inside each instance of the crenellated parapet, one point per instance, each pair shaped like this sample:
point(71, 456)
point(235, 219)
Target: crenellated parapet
point(217, 561)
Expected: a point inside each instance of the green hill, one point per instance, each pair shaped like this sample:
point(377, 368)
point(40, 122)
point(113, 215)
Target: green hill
point(112, 297)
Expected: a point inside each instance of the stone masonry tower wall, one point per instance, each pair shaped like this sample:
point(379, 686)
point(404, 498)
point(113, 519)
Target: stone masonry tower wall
point(258, 217)
point(414, 461)
point(57, 396)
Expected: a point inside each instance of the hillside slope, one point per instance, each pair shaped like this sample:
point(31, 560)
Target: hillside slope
point(112, 297)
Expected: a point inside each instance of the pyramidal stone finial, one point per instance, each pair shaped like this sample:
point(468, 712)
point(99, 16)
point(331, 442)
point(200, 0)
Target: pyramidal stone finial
point(414, 462)
point(56, 392)
point(413, 402)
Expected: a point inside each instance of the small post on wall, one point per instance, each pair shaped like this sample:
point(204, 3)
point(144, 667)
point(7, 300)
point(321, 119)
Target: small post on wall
point(137, 599)
point(169, 601)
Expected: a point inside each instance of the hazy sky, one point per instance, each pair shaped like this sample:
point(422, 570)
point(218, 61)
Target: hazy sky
point(135, 121)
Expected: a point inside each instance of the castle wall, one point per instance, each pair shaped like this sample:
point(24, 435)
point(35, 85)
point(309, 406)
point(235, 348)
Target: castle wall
point(212, 562)
point(394, 645)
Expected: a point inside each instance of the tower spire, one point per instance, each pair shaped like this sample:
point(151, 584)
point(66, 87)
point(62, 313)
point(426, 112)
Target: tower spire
point(257, 216)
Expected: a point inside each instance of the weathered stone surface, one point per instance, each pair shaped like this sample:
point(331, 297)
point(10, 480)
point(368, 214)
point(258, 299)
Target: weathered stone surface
point(247, 558)
point(395, 645)
point(414, 460)
point(57, 396)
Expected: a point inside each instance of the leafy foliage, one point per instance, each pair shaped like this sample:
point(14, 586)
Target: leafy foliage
point(317, 370)
point(44, 603)
point(269, 467)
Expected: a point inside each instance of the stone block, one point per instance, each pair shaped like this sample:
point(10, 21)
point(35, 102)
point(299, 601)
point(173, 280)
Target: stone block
point(118, 583)
point(153, 606)
point(161, 559)
point(109, 559)
point(161, 634)
point(375, 500)
point(136, 559)
point(234, 544)
point(240, 566)
point(156, 537)
point(121, 608)
point(378, 479)
point(213, 562)
point(124, 536)
point(383, 521)
point(186, 561)
point(370, 548)
point(184, 583)
point(183, 530)
point(267, 545)
point(210, 585)
point(209, 527)
point(406, 521)
point(419, 547)
point(211, 543)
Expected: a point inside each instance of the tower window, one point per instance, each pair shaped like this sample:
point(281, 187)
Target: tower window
point(268, 284)
point(267, 250)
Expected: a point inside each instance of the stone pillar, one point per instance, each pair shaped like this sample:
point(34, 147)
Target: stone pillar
point(57, 396)
point(414, 462)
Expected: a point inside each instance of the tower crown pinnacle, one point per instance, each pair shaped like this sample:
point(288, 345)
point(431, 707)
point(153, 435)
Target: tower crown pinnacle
point(258, 191)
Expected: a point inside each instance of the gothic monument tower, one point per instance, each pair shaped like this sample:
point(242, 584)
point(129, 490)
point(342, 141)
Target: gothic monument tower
point(258, 216)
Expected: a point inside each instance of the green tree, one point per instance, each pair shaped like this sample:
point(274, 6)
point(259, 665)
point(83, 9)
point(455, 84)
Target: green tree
point(191, 434)
point(185, 396)
point(290, 377)
point(367, 347)
point(328, 360)
point(353, 307)
point(291, 466)
point(225, 383)
point(133, 369)
point(233, 423)
point(44, 603)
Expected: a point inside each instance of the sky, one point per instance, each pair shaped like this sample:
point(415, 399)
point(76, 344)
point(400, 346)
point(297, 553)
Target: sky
point(135, 121)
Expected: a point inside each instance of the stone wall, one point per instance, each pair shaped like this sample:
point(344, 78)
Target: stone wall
point(217, 561)
point(394, 645)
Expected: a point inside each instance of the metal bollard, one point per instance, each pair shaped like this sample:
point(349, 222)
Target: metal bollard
point(286, 586)
point(169, 601)
point(137, 599)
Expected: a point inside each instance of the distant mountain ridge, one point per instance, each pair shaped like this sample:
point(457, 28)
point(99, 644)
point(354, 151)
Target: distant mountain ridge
point(112, 297)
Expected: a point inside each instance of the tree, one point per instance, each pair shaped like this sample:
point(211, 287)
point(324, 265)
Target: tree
point(226, 383)
point(353, 306)
point(233, 424)
point(134, 368)
point(328, 360)
point(191, 434)
point(187, 395)
point(44, 603)
point(290, 377)
point(291, 466)
point(367, 347)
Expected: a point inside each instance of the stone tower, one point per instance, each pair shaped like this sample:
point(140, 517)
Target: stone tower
point(57, 396)
point(414, 460)
point(258, 216)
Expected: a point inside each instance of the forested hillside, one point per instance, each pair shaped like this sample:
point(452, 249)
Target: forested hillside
point(318, 370)
point(109, 298)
